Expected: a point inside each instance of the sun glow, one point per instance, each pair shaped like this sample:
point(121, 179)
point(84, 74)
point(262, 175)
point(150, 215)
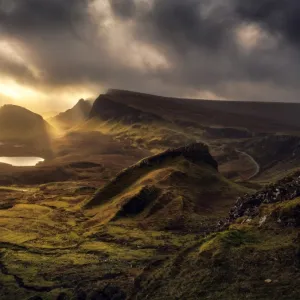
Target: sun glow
point(42, 99)
point(16, 91)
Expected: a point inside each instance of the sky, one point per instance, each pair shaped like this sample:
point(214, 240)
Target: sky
point(54, 52)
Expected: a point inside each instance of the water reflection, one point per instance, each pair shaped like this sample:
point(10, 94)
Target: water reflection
point(21, 161)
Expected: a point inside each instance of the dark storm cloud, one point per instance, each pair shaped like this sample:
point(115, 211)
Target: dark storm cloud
point(189, 23)
point(40, 15)
point(53, 32)
point(277, 16)
point(198, 39)
point(201, 39)
point(123, 8)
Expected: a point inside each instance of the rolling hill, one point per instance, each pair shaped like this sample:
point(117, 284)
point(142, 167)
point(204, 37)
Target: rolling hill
point(157, 123)
point(254, 256)
point(23, 131)
point(176, 189)
point(127, 124)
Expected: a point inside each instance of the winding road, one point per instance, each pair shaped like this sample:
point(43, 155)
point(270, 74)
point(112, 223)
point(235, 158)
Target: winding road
point(257, 166)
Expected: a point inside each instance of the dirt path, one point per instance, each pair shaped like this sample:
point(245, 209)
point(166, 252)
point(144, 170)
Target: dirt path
point(257, 166)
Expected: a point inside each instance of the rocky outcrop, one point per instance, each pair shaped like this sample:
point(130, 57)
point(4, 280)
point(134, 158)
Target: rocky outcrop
point(283, 190)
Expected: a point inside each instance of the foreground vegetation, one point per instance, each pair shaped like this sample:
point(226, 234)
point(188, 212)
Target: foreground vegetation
point(47, 250)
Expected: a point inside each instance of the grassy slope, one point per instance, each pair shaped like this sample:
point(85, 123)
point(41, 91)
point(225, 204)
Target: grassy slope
point(183, 121)
point(232, 264)
point(47, 250)
point(257, 259)
point(155, 136)
point(165, 192)
point(256, 116)
point(175, 124)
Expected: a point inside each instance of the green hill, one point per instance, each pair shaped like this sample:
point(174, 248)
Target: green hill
point(176, 189)
point(142, 129)
point(254, 256)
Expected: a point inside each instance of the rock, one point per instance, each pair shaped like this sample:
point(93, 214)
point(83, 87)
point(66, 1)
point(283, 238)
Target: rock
point(262, 220)
point(268, 281)
point(285, 189)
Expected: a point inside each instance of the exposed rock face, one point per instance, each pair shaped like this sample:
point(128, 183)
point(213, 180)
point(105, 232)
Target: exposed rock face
point(105, 108)
point(285, 189)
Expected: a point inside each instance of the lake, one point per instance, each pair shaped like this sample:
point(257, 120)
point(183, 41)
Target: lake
point(21, 161)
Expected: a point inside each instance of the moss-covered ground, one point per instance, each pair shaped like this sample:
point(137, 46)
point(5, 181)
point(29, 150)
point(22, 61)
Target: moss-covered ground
point(47, 250)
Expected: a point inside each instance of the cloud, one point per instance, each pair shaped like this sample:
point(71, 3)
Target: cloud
point(281, 18)
point(233, 49)
point(123, 8)
point(40, 16)
point(203, 38)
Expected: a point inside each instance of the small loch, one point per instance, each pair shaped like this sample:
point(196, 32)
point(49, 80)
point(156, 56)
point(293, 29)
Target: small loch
point(21, 161)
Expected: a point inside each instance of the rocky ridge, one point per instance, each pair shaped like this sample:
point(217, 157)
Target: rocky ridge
point(285, 189)
point(195, 153)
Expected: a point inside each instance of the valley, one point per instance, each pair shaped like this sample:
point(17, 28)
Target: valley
point(137, 196)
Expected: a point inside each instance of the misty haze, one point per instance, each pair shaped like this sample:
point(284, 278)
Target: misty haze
point(149, 149)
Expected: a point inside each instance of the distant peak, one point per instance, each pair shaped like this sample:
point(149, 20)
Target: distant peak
point(80, 102)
